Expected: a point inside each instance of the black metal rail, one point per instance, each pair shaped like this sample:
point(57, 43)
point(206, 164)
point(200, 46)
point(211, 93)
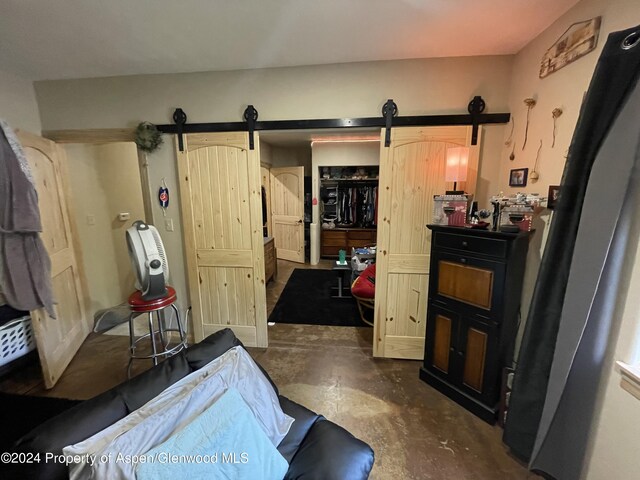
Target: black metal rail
point(389, 119)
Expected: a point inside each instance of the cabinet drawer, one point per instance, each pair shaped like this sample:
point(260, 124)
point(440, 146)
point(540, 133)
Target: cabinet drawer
point(483, 246)
point(358, 244)
point(334, 235)
point(360, 235)
point(330, 250)
point(334, 242)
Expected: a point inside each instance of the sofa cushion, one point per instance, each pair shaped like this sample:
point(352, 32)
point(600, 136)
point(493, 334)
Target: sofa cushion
point(229, 429)
point(215, 345)
point(330, 452)
point(71, 426)
point(176, 407)
point(211, 347)
point(142, 388)
point(304, 420)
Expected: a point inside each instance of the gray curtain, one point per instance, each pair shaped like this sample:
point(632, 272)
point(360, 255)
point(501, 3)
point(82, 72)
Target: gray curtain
point(570, 321)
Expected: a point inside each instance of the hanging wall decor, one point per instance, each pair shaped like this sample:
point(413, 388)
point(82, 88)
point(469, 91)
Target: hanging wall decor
point(530, 103)
point(510, 139)
point(576, 41)
point(163, 197)
point(556, 112)
point(534, 175)
point(148, 137)
point(518, 177)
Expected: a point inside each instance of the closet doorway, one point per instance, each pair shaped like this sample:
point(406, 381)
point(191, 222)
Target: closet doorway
point(106, 197)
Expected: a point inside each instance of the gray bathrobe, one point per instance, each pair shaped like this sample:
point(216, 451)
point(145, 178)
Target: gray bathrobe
point(25, 268)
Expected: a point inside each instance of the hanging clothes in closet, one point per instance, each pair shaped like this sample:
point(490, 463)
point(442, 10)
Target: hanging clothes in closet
point(357, 206)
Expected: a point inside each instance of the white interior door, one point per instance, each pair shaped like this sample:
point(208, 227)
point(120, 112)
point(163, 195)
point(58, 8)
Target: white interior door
point(57, 339)
point(287, 212)
point(220, 193)
point(412, 171)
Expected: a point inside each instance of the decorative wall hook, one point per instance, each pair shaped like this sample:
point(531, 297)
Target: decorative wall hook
point(556, 112)
point(530, 103)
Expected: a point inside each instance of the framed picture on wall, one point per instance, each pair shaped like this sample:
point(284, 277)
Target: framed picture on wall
point(518, 177)
point(552, 198)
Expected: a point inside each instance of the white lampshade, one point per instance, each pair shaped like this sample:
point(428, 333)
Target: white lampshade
point(457, 162)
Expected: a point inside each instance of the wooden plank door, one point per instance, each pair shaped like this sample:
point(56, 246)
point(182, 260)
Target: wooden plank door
point(411, 172)
point(57, 339)
point(222, 214)
point(287, 212)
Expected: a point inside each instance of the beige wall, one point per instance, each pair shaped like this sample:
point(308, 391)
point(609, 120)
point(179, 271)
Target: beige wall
point(105, 181)
point(616, 426)
point(428, 86)
point(18, 102)
point(298, 156)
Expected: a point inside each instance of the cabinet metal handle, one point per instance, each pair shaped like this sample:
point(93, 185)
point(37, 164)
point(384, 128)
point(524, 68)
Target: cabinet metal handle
point(465, 244)
point(452, 349)
point(463, 260)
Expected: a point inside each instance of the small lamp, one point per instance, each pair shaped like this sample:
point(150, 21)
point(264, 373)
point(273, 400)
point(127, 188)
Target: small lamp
point(456, 167)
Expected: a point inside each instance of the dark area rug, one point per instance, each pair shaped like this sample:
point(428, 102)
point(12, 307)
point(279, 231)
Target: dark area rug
point(19, 414)
point(306, 299)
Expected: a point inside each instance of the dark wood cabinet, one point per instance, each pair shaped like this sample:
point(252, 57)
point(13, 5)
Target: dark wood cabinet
point(270, 261)
point(336, 239)
point(475, 285)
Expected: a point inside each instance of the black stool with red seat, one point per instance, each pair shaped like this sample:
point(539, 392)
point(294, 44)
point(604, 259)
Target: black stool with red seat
point(138, 305)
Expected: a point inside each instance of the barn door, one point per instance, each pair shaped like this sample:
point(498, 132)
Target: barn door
point(411, 173)
point(58, 339)
point(287, 212)
point(222, 213)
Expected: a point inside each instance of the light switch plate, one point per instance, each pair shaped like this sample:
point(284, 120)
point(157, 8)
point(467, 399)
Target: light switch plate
point(168, 224)
point(91, 219)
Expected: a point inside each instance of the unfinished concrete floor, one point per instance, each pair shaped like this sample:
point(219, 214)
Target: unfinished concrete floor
point(416, 432)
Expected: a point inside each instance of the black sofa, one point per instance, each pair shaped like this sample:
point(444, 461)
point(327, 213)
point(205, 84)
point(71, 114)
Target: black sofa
point(314, 447)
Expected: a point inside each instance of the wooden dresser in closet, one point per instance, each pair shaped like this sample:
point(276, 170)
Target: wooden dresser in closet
point(335, 239)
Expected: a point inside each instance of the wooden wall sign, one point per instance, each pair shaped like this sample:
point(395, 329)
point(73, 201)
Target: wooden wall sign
point(577, 40)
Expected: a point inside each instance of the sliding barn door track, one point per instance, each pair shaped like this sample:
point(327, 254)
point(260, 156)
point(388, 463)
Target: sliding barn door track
point(389, 118)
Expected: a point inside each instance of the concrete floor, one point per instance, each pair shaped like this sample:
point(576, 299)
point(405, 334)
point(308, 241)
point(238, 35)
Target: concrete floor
point(416, 432)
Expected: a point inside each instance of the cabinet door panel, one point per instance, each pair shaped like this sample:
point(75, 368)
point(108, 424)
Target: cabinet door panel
point(478, 345)
point(475, 357)
point(442, 342)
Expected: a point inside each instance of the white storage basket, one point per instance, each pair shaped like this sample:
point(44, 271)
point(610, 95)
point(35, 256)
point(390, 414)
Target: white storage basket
point(16, 339)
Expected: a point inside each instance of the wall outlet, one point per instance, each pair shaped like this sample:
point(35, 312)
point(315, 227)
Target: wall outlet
point(168, 224)
point(124, 216)
point(91, 219)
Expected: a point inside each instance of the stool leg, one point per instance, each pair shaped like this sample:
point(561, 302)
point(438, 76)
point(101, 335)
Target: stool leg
point(160, 318)
point(183, 340)
point(152, 335)
point(132, 345)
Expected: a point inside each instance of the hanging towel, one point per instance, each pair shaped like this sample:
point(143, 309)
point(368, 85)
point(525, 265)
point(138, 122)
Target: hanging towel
point(25, 267)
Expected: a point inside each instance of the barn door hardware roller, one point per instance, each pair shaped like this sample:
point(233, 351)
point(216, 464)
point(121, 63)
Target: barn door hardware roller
point(250, 116)
point(389, 110)
point(180, 118)
point(476, 107)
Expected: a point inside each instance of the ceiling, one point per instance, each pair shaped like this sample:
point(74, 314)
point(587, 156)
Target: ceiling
point(44, 39)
